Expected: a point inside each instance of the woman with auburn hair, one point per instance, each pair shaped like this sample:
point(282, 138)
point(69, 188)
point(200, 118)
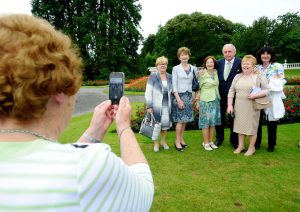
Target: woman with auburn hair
point(208, 102)
point(40, 74)
point(182, 107)
point(246, 117)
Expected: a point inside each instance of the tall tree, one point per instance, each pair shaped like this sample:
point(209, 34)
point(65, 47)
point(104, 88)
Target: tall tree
point(250, 40)
point(203, 34)
point(106, 31)
point(284, 37)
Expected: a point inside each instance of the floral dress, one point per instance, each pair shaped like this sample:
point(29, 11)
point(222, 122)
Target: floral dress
point(209, 111)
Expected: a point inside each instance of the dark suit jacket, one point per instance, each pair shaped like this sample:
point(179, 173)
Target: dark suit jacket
point(224, 86)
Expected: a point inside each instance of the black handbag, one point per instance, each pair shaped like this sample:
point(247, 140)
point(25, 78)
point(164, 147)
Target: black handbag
point(149, 127)
point(195, 83)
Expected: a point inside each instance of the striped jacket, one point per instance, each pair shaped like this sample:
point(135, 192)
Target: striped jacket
point(154, 94)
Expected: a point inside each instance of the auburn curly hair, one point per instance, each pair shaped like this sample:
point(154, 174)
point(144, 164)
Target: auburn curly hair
point(36, 62)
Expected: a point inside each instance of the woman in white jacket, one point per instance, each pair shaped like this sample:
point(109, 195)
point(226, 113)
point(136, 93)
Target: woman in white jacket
point(274, 72)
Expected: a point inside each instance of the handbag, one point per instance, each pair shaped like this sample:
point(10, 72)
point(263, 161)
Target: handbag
point(195, 83)
point(149, 127)
point(262, 102)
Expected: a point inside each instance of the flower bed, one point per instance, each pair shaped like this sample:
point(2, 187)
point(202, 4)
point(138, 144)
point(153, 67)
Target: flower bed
point(293, 81)
point(137, 84)
point(292, 104)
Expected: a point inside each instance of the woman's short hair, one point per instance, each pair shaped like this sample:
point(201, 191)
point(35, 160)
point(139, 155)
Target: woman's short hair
point(36, 62)
point(251, 58)
point(161, 60)
point(210, 57)
point(184, 50)
point(266, 49)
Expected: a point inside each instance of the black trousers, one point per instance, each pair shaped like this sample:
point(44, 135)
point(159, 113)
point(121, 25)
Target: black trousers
point(272, 131)
point(220, 128)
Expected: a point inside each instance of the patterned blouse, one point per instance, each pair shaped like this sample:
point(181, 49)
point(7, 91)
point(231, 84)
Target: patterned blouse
point(272, 70)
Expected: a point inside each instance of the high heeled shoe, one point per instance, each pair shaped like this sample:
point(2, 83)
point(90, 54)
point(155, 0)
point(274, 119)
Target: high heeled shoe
point(249, 153)
point(184, 145)
point(178, 148)
point(238, 151)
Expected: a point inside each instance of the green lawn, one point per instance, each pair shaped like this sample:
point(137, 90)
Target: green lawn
point(292, 73)
point(198, 180)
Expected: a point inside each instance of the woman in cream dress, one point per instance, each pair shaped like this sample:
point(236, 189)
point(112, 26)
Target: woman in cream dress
point(246, 117)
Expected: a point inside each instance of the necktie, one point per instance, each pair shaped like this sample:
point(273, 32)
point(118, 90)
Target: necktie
point(227, 70)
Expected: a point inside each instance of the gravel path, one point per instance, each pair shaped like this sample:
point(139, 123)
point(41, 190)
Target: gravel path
point(88, 98)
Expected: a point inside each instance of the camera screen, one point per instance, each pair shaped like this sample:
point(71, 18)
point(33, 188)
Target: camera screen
point(116, 80)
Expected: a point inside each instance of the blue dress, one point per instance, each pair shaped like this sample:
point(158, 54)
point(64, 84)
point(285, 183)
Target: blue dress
point(186, 114)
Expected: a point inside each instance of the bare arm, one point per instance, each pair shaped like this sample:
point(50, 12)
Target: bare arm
point(103, 116)
point(131, 152)
point(231, 94)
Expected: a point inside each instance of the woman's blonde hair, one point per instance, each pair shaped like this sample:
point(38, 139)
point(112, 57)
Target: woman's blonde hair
point(184, 50)
point(251, 58)
point(161, 60)
point(36, 62)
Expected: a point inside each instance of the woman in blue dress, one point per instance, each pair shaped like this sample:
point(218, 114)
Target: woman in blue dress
point(208, 102)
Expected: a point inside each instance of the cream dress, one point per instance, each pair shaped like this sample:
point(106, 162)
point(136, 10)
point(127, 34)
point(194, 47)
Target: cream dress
point(246, 118)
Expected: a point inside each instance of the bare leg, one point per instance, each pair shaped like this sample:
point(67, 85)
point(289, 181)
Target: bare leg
point(156, 146)
point(211, 133)
point(205, 134)
point(182, 132)
point(251, 148)
point(241, 144)
point(163, 137)
point(178, 135)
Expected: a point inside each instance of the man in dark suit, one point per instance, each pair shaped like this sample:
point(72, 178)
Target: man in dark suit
point(228, 67)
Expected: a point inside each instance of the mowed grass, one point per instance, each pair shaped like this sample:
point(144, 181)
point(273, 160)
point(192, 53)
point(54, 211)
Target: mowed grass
point(198, 180)
point(292, 73)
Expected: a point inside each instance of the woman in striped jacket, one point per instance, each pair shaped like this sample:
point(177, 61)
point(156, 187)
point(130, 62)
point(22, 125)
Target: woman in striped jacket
point(158, 99)
point(39, 78)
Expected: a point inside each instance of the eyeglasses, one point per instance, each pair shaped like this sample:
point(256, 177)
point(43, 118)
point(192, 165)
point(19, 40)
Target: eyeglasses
point(164, 64)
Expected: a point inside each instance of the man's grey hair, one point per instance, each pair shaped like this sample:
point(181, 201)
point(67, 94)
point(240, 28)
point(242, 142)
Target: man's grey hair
point(229, 45)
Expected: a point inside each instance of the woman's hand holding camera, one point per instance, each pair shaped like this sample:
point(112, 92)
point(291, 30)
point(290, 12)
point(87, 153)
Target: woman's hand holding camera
point(105, 113)
point(103, 116)
point(123, 116)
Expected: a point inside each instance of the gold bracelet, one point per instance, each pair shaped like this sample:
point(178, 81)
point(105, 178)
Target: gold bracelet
point(121, 132)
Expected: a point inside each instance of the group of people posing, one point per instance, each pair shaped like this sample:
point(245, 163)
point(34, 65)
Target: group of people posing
point(40, 74)
point(227, 90)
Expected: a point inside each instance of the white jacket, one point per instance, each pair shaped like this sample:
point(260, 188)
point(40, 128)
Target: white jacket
point(277, 110)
